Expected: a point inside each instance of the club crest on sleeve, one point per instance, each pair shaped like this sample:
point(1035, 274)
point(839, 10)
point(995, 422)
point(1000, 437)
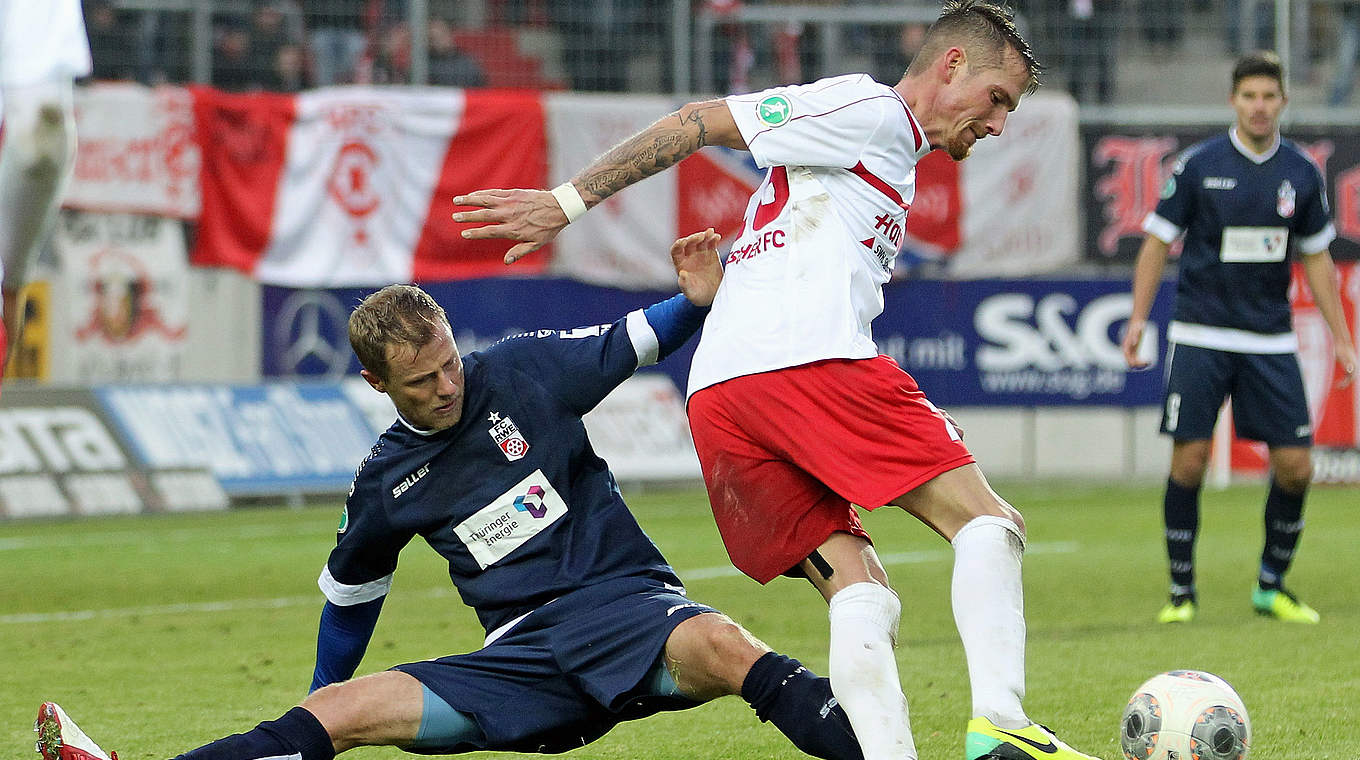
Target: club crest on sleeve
point(507, 436)
point(1284, 200)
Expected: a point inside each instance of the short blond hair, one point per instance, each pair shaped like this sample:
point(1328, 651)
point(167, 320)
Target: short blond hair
point(401, 315)
point(985, 29)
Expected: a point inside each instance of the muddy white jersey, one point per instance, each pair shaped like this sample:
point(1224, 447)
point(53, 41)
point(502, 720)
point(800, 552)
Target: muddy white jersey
point(804, 279)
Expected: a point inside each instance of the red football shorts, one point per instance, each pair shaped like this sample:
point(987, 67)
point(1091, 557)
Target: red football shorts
point(786, 454)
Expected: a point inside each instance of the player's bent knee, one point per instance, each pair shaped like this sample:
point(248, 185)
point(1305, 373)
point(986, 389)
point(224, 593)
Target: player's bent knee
point(710, 654)
point(990, 523)
point(1013, 514)
point(378, 709)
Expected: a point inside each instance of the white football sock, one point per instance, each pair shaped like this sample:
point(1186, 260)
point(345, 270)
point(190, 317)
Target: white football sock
point(864, 671)
point(989, 610)
point(35, 157)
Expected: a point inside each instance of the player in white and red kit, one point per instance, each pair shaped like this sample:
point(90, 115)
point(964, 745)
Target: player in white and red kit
point(42, 49)
point(795, 415)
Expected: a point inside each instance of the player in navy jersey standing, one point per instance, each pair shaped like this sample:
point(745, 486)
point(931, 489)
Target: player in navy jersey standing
point(1242, 200)
point(796, 416)
point(489, 462)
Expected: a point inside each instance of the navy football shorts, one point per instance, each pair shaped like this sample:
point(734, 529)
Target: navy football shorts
point(1268, 400)
point(568, 672)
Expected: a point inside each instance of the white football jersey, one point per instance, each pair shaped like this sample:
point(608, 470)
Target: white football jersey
point(42, 40)
point(804, 279)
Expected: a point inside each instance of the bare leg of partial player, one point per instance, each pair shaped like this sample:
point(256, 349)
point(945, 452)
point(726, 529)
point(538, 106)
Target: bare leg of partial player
point(987, 596)
point(36, 153)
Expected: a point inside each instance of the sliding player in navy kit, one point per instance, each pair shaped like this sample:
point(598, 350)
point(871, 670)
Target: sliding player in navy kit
point(489, 462)
point(1241, 200)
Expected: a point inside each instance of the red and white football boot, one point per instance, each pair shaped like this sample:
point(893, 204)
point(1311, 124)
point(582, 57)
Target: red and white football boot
point(59, 738)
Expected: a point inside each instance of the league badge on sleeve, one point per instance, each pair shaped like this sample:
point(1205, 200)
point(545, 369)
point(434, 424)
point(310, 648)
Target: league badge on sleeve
point(774, 111)
point(507, 436)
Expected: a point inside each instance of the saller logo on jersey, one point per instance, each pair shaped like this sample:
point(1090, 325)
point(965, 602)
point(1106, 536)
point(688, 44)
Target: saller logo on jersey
point(507, 436)
point(774, 111)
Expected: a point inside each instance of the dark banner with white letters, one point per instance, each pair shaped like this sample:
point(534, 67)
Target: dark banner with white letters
point(1021, 342)
point(304, 331)
point(1126, 168)
point(973, 342)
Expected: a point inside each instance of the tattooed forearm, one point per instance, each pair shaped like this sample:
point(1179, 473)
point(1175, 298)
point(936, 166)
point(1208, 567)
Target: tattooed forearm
point(660, 146)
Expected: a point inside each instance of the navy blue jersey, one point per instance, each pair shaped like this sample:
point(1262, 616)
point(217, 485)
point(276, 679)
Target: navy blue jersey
point(1241, 214)
point(513, 496)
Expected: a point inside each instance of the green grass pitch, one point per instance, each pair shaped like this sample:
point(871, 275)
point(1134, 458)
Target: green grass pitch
point(158, 634)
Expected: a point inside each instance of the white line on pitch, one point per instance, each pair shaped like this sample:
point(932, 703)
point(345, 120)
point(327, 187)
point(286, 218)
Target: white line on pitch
point(703, 573)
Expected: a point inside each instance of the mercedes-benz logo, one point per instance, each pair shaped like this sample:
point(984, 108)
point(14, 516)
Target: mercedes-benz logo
point(311, 330)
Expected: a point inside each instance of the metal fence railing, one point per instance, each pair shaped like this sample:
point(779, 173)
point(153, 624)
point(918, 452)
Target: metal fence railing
point(1110, 54)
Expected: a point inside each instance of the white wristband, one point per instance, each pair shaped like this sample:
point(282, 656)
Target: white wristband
point(570, 200)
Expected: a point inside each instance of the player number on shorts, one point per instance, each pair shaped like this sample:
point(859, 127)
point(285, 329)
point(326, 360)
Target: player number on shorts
point(1173, 411)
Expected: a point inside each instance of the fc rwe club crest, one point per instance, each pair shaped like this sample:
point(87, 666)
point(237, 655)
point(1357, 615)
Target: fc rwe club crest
point(1285, 199)
point(507, 436)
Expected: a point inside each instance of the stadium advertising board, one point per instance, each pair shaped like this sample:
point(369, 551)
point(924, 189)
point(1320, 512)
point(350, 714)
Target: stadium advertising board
point(641, 428)
point(971, 342)
point(274, 438)
point(1020, 342)
point(59, 455)
point(1126, 169)
point(303, 331)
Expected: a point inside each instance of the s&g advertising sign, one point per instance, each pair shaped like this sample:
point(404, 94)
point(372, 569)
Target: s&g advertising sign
point(1021, 342)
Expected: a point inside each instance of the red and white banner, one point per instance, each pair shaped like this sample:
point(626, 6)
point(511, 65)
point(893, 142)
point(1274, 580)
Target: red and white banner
point(136, 151)
point(625, 241)
point(1334, 409)
point(352, 186)
point(1011, 209)
point(1018, 195)
point(123, 295)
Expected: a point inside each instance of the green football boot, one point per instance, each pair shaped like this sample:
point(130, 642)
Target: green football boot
point(986, 740)
point(1282, 605)
point(1181, 609)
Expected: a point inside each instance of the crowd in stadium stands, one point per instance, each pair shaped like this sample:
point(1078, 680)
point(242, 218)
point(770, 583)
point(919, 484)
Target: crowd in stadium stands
point(597, 45)
point(278, 45)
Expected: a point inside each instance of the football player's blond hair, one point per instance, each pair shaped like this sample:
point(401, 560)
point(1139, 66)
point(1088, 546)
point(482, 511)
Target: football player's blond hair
point(397, 315)
point(985, 29)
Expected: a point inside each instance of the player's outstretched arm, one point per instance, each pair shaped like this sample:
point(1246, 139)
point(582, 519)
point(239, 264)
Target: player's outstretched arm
point(697, 267)
point(534, 217)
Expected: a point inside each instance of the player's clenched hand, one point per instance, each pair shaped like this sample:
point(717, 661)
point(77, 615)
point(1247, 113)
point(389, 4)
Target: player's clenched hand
point(697, 267)
point(1345, 356)
point(532, 217)
point(1133, 335)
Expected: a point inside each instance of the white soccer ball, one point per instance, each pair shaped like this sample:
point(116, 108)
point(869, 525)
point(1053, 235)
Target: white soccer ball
point(1185, 715)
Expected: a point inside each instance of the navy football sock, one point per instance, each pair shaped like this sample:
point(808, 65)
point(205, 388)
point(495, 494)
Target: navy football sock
point(800, 705)
point(1180, 509)
point(297, 734)
point(1284, 523)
